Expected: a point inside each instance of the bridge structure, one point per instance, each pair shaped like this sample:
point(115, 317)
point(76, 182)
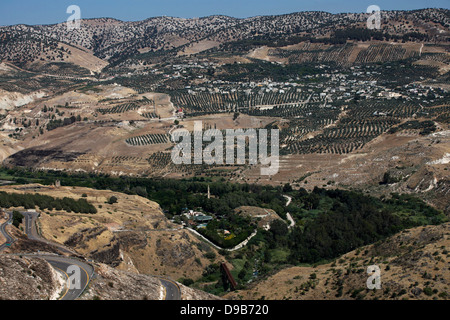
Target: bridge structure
point(227, 277)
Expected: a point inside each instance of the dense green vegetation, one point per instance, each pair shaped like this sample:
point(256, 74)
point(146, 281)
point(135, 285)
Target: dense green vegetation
point(340, 221)
point(31, 201)
point(173, 195)
point(329, 224)
point(17, 218)
point(259, 71)
point(56, 123)
point(241, 228)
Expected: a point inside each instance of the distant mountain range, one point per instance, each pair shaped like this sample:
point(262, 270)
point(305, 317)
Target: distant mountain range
point(113, 40)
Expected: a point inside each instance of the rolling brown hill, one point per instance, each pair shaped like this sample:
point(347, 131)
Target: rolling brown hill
point(131, 235)
point(413, 266)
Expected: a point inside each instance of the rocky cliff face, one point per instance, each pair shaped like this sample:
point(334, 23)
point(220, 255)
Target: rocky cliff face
point(24, 278)
point(108, 253)
point(10, 100)
point(113, 284)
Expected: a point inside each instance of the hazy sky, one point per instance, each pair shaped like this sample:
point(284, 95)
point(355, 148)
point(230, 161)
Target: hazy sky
point(54, 11)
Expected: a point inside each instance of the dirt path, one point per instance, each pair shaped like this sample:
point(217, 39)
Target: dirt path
point(291, 220)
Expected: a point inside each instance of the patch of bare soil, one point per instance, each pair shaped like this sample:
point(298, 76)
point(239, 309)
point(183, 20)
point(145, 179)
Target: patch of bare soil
point(264, 217)
point(198, 47)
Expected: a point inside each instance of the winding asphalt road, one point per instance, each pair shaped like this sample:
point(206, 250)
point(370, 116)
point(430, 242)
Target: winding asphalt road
point(172, 289)
point(64, 265)
point(9, 239)
point(69, 266)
